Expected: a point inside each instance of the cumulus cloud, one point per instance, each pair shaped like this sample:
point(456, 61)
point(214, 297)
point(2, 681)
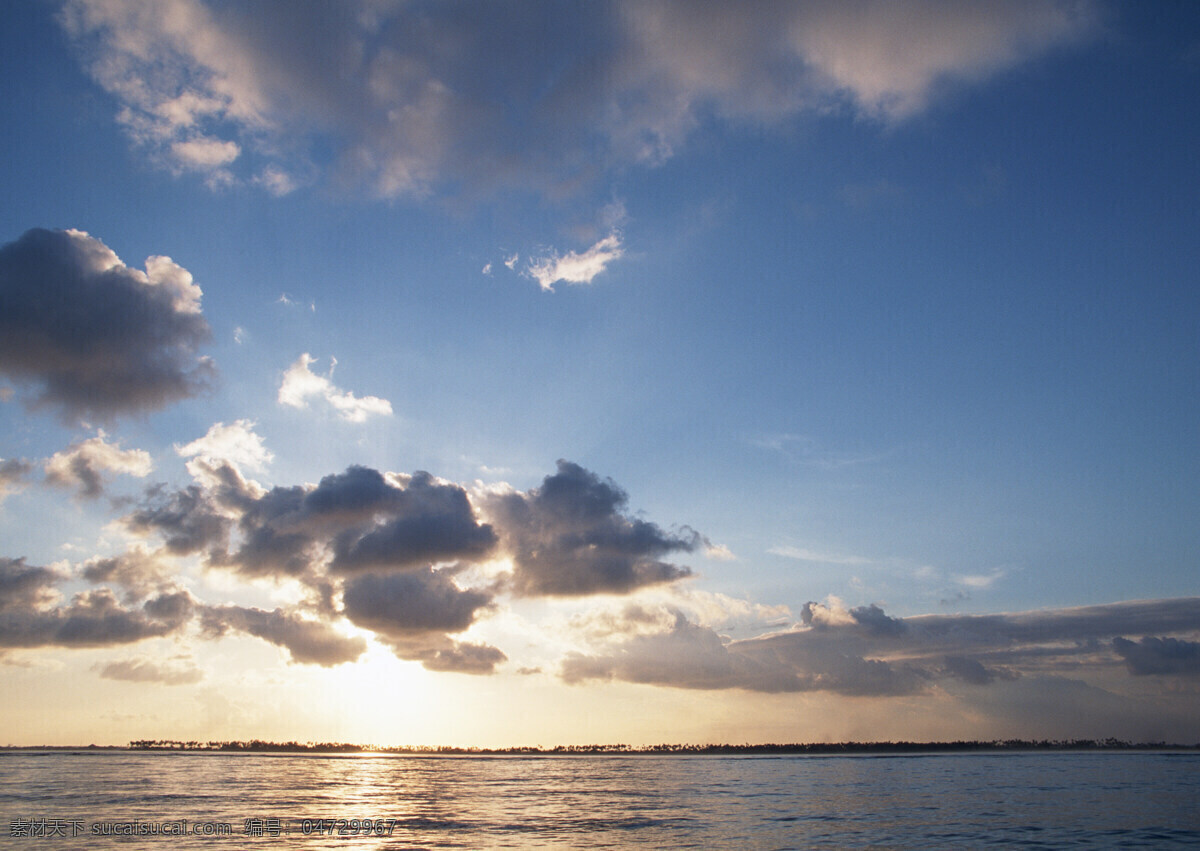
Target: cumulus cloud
point(148, 671)
point(570, 537)
point(301, 384)
point(83, 464)
point(308, 641)
point(92, 336)
point(573, 267)
point(412, 98)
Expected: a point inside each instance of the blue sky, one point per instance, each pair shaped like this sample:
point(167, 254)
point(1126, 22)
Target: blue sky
point(750, 353)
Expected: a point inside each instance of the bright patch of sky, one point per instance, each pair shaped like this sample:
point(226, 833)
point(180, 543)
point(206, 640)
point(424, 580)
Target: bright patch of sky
point(768, 361)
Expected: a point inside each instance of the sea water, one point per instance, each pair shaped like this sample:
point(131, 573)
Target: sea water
point(111, 799)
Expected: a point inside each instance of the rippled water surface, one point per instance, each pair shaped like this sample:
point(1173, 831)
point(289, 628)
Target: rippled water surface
point(1039, 800)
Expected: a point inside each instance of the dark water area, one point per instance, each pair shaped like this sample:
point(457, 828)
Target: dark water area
point(110, 799)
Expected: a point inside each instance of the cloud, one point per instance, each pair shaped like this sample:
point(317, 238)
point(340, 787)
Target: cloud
point(12, 473)
point(140, 572)
point(82, 464)
point(575, 268)
point(409, 99)
point(405, 604)
point(236, 444)
point(93, 336)
point(464, 658)
point(26, 587)
point(93, 619)
point(300, 384)
point(1161, 656)
point(350, 522)
point(974, 672)
point(308, 641)
point(865, 652)
point(412, 612)
point(804, 554)
point(570, 537)
point(189, 520)
point(147, 671)
point(426, 522)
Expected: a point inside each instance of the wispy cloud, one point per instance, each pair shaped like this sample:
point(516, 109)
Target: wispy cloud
point(243, 94)
point(804, 554)
point(148, 671)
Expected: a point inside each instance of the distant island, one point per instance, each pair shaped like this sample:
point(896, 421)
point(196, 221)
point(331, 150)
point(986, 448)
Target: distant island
point(816, 748)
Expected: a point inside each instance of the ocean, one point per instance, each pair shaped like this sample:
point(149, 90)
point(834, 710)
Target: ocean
point(123, 799)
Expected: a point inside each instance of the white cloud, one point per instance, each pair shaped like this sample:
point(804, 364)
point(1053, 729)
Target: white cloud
point(276, 181)
point(718, 552)
point(573, 267)
point(235, 443)
point(300, 384)
point(981, 580)
point(205, 154)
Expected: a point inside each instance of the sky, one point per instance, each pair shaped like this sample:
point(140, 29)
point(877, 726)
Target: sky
point(418, 373)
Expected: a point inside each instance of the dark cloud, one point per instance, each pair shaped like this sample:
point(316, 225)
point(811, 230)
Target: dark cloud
point(692, 656)
point(864, 652)
point(972, 671)
point(412, 603)
point(146, 671)
point(412, 612)
point(29, 616)
point(94, 619)
point(12, 474)
point(23, 587)
point(463, 658)
point(352, 521)
point(367, 521)
point(571, 537)
point(308, 642)
point(1163, 656)
point(425, 522)
point(189, 520)
point(439, 652)
point(92, 336)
